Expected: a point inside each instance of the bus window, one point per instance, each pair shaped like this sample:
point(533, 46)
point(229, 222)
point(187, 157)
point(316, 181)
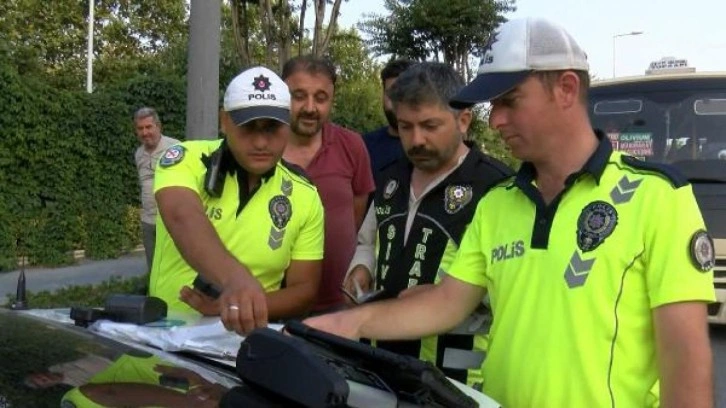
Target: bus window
point(618, 107)
point(709, 107)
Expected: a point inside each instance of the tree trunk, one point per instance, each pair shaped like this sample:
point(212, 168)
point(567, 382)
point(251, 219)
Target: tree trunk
point(318, 35)
point(268, 29)
point(301, 34)
point(241, 31)
point(467, 67)
point(285, 37)
point(332, 27)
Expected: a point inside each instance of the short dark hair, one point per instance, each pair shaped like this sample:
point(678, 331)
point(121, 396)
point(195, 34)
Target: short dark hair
point(426, 82)
point(311, 65)
point(394, 68)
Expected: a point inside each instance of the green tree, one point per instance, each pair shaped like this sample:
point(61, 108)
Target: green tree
point(488, 139)
point(279, 25)
point(358, 104)
point(50, 37)
point(451, 31)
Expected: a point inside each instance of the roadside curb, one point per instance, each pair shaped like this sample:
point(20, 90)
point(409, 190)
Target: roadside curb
point(79, 254)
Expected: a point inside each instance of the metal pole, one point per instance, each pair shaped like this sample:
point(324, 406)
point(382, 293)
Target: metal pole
point(89, 69)
point(203, 69)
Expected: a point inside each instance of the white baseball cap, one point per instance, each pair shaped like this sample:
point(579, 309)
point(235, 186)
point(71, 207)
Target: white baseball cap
point(257, 93)
point(516, 49)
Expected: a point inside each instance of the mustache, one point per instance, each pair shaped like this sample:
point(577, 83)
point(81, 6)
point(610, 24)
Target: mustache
point(308, 115)
point(420, 151)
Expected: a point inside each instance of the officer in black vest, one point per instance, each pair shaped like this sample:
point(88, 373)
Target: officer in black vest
point(422, 205)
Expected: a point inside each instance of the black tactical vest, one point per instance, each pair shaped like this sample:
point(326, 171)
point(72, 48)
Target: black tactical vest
point(443, 215)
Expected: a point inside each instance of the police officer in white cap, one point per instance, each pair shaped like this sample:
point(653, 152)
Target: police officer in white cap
point(597, 264)
point(236, 215)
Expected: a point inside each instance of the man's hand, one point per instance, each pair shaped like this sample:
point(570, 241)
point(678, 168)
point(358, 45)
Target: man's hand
point(362, 276)
point(199, 301)
point(243, 304)
point(344, 324)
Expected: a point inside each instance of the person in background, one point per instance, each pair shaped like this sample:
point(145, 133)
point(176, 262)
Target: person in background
point(148, 131)
point(384, 144)
point(335, 159)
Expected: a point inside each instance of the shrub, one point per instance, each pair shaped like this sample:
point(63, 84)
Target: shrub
point(67, 176)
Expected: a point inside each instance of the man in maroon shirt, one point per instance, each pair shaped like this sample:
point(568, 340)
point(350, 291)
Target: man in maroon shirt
point(335, 159)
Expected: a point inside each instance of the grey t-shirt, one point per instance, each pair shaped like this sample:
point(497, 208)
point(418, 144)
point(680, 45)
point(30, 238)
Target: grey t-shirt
point(146, 165)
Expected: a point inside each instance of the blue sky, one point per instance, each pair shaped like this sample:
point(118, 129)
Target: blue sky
point(691, 29)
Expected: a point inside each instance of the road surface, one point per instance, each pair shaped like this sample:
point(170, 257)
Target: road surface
point(84, 273)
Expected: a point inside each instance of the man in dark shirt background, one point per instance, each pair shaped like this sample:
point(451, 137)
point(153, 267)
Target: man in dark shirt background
point(383, 144)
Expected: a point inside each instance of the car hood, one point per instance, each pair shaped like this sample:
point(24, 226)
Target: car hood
point(48, 364)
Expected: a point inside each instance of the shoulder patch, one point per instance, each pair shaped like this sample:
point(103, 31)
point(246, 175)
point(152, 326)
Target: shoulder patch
point(666, 171)
point(172, 156)
point(702, 251)
point(297, 170)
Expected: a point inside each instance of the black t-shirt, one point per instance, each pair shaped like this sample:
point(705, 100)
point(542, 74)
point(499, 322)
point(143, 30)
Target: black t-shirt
point(383, 148)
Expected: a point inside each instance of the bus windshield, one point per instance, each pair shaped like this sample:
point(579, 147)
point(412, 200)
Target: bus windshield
point(678, 122)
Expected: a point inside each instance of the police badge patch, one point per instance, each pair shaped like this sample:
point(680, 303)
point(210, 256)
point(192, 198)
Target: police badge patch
point(172, 156)
point(456, 198)
point(702, 252)
point(597, 221)
point(280, 211)
point(390, 189)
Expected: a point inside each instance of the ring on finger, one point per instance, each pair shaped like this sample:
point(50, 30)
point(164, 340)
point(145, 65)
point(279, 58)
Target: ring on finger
point(233, 307)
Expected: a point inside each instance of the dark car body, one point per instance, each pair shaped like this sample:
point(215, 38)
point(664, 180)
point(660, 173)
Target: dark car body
point(47, 364)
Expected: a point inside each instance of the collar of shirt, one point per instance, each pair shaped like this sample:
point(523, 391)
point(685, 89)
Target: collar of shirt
point(230, 167)
point(595, 165)
point(412, 199)
point(161, 146)
point(414, 202)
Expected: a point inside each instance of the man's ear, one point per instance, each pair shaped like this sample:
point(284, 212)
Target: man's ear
point(224, 121)
point(568, 89)
point(463, 120)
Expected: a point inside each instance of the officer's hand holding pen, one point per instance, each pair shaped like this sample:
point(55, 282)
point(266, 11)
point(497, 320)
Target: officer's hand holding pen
point(243, 303)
